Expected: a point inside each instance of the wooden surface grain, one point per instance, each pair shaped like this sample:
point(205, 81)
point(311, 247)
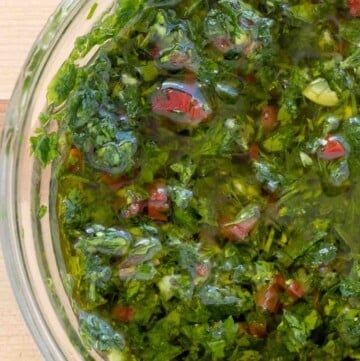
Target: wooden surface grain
point(20, 23)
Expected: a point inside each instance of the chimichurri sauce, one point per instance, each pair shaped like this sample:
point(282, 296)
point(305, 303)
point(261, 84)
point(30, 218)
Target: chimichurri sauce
point(209, 184)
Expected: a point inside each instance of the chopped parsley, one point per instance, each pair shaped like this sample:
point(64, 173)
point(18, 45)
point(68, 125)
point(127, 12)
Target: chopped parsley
point(208, 192)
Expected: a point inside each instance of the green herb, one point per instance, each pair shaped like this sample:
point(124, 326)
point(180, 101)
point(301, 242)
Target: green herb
point(207, 190)
point(42, 211)
point(98, 334)
point(92, 11)
point(45, 146)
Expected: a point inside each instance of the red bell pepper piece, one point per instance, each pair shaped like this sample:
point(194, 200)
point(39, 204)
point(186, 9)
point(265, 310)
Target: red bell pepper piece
point(257, 329)
point(269, 116)
point(238, 231)
point(179, 105)
point(158, 202)
point(295, 290)
point(268, 298)
point(280, 281)
point(222, 43)
point(75, 160)
point(123, 313)
point(202, 270)
point(254, 151)
point(114, 182)
point(354, 7)
point(133, 209)
point(332, 149)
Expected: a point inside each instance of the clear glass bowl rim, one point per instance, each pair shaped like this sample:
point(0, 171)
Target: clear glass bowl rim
point(55, 334)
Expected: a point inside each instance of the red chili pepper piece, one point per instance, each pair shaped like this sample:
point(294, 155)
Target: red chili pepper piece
point(296, 290)
point(123, 313)
point(239, 231)
point(178, 105)
point(254, 151)
point(257, 329)
point(202, 270)
point(222, 43)
point(268, 298)
point(114, 182)
point(173, 101)
point(133, 209)
point(196, 112)
point(250, 79)
point(75, 160)
point(333, 149)
point(155, 52)
point(354, 7)
point(158, 202)
point(280, 281)
point(269, 116)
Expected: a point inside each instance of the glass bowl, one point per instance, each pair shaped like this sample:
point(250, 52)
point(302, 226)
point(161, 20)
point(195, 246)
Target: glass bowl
point(30, 243)
point(29, 229)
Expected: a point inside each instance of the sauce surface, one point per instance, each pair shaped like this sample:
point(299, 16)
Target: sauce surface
point(208, 190)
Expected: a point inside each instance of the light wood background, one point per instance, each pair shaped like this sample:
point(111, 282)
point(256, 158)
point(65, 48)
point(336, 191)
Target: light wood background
point(20, 23)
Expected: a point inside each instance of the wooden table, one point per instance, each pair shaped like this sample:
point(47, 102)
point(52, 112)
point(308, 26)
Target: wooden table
point(20, 22)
